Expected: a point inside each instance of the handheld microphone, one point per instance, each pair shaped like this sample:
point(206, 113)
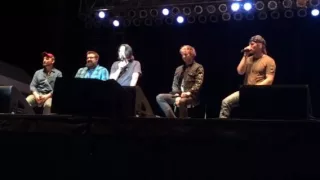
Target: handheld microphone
point(245, 50)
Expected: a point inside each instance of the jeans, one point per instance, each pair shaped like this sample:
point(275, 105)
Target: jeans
point(228, 103)
point(46, 105)
point(164, 101)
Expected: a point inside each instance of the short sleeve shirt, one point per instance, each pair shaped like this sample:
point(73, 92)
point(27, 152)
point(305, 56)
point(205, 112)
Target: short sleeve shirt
point(125, 75)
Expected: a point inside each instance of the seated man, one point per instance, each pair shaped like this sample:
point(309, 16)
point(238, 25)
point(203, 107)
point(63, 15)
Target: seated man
point(188, 79)
point(42, 84)
point(126, 71)
point(258, 68)
point(93, 70)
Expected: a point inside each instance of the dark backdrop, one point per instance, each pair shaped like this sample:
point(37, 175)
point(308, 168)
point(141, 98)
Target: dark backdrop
point(293, 43)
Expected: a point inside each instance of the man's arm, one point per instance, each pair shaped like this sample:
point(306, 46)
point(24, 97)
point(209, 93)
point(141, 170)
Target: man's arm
point(175, 83)
point(115, 71)
point(136, 74)
point(78, 75)
point(241, 69)
point(49, 95)
point(33, 84)
point(198, 80)
point(104, 74)
point(270, 73)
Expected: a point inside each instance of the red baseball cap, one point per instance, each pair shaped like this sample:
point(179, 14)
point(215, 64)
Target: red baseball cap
point(46, 54)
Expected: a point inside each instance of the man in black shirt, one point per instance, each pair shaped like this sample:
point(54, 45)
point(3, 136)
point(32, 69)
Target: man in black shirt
point(188, 79)
point(126, 71)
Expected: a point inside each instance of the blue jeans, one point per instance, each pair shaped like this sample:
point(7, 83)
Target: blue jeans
point(164, 101)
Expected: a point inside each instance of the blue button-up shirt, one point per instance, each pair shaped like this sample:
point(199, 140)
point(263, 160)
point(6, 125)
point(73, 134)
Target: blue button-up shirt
point(44, 83)
point(98, 72)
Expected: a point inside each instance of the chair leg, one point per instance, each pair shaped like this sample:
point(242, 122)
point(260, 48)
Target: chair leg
point(205, 111)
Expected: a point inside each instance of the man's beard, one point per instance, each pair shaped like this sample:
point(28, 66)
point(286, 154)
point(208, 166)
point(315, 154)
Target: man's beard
point(90, 64)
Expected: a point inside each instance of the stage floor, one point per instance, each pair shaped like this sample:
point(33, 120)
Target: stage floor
point(67, 147)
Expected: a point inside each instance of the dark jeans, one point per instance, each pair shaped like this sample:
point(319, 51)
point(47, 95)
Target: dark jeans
point(164, 101)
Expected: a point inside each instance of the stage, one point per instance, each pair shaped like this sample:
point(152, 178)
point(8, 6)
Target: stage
point(67, 147)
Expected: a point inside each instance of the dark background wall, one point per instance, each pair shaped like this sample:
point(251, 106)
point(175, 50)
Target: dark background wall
point(54, 26)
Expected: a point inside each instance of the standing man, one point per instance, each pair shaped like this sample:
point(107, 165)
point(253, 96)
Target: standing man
point(258, 67)
point(187, 81)
point(126, 71)
point(93, 70)
point(42, 84)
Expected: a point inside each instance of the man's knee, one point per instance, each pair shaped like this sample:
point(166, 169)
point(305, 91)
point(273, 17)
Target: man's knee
point(160, 97)
point(48, 103)
point(184, 101)
point(225, 102)
point(30, 100)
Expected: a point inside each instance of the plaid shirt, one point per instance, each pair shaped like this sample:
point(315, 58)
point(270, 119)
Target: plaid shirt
point(99, 72)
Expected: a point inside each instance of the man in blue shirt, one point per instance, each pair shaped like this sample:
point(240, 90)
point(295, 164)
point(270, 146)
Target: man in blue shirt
point(93, 70)
point(42, 84)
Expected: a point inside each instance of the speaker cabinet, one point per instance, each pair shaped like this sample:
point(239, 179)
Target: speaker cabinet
point(91, 97)
point(13, 102)
point(289, 102)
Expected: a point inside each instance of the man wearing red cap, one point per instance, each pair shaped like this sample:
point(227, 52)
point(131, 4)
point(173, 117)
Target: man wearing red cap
point(258, 68)
point(42, 84)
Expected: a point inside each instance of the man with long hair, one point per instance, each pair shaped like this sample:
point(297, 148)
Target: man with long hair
point(126, 71)
point(258, 68)
point(187, 82)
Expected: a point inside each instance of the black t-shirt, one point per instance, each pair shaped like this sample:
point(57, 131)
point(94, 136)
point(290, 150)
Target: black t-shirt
point(125, 76)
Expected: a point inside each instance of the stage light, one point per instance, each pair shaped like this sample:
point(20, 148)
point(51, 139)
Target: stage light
point(272, 5)
point(180, 19)
point(175, 10)
point(202, 19)
point(213, 18)
point(259, 5)
point(143, 14)
point(302, 12)
point(247, 6)
point(275, 15)
point(226, 17)
point(102, 14)
point(235, 6)
point(211, 9)
point(191, 19)
point(301, 3)
point(165, 11)
point(287, 3)
point(237, 16)
point(116, 23)
point(223, 8)
point(250, 17)
point(288, 13)
point(314, 3)
point(186, 11)
point(154, 12)
point(315, 12)
point(198, 9)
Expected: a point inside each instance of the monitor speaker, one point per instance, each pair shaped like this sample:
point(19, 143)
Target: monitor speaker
point(91, 97)
point(140, 103)
point(281, 102)
point(13, 102)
